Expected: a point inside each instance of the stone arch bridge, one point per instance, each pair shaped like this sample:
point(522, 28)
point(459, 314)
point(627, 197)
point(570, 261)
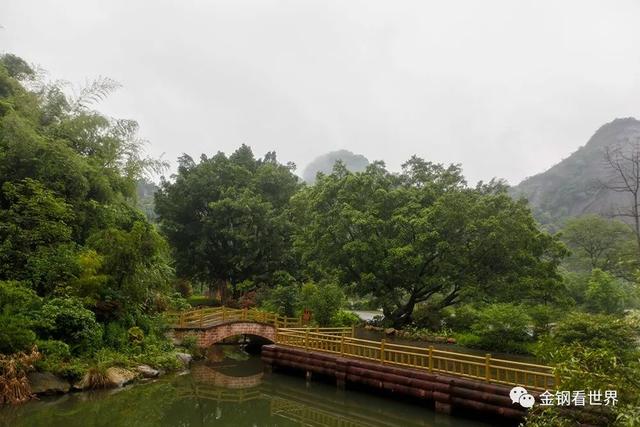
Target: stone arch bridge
point(212, 325)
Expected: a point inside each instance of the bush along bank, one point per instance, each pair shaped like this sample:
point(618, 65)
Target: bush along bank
point(51, 367)
point(26, 375)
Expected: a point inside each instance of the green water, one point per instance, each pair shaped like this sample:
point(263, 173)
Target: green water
point(232, 391)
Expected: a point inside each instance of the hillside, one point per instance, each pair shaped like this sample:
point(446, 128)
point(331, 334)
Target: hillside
point(574, 186)
point(324, 163)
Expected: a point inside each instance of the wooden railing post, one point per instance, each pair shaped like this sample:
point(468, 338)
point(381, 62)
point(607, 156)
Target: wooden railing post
point(285, 322)
point(430, 358)
point(353, 331)
point(223, 313)
point(487, 367)
point(181, 319)
point(306, 339)
point(244, 313)
point(342, 345)
point(556, 380)
point(201, 317)
point(382, 342)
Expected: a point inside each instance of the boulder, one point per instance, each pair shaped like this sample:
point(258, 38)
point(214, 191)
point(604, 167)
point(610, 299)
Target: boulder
point(46, 383)
point(390, 331)
point(120, 376)
point(147, 371)
point(185, 358)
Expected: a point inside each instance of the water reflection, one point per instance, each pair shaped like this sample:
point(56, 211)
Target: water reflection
point(232, 391)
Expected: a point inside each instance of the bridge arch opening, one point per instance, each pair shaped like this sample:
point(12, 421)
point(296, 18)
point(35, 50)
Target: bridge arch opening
point(206, 337)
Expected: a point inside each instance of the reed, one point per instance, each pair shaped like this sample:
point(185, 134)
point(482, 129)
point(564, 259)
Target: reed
point(14, 385)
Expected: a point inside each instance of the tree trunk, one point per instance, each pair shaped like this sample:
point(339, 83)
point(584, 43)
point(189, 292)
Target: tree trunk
point(403, 315)
point(636, 218)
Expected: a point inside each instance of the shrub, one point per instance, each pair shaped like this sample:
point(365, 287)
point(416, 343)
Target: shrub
point(183, 286)
point(107, 357)
point(461, 318)
point(136, 335)
point(283, 299)
point(17, 297)
point(467, 339)
point(159, 359)
point(604, 293)
point(500, 327)
point(203, 301)
point(67, 320)
point(17, 303)
point(324, 301)
point(428, 316)
point(190, 343)
point(344, 318)
point(115, 336)
point(595, 331)
point(542, 316)
point(15, 335)
point(54, 349)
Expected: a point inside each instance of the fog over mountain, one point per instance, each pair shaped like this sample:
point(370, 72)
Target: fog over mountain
point(577, 185)
point(504, 87)
point(325, 162)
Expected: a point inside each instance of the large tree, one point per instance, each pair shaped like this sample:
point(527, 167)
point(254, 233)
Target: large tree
point(226, 217)
point(598, 242)
point(623, 166)
point(424, 235)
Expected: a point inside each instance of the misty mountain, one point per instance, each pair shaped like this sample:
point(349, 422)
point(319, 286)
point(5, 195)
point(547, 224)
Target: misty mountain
point(324, 163)
point(145, 191)
point(575, 185)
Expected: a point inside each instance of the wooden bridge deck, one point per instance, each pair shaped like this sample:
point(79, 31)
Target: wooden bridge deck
point(290, 332)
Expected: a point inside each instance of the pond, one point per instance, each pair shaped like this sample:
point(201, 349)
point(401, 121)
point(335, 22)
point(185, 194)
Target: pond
point(228, 390)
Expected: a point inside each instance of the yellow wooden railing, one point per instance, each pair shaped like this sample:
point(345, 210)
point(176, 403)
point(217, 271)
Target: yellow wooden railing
point(220, 394)
point(305, 415)
point(291, 332)
point(207, 317)
point(485, 368)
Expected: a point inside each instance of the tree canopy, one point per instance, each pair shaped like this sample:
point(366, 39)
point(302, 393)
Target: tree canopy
point(423, 235)
point(226, 217)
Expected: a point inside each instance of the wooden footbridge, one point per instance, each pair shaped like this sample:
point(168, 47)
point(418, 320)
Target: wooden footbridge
point(451, 379)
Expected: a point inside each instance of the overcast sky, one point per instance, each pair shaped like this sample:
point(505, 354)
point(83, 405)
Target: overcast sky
point(506, 88)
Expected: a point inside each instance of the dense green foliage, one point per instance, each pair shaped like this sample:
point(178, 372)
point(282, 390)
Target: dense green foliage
point(594, 352)
point(225, 217)
point(85, 274)
point(503, 327)
point(423, 236)
point(78, 260)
